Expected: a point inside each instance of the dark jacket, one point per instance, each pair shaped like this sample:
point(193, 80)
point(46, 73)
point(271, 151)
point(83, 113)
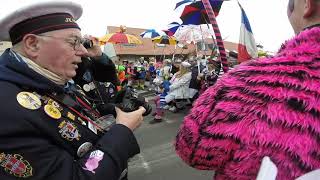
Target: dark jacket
point(101, 72)
point(37, 146)
point(174, 69)
point(195, 83)
point(102, 69)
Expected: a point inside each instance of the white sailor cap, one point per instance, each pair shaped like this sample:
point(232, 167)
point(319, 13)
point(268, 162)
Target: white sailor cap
point(37, 18)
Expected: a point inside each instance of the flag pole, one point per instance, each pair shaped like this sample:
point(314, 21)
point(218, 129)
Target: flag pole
point(213, 21)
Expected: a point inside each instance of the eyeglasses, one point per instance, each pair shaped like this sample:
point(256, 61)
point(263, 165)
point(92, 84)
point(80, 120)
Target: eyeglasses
point(290, 7)
point(75, 41)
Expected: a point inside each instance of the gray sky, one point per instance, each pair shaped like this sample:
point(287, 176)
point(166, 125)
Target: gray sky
point(268, 18)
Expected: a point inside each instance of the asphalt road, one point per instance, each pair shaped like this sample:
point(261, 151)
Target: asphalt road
point(158, 160)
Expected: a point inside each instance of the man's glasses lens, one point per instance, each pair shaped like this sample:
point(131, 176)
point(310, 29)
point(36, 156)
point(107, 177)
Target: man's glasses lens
point(75, 42)
point(78, 41)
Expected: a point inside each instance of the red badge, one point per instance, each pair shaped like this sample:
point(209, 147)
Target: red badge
point(16, 165)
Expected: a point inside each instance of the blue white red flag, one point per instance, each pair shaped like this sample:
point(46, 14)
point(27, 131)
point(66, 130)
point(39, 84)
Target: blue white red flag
point(247, 48)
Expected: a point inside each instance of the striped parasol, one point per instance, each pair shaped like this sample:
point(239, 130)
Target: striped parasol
point(151, 33)
point(120, 38)
point(165, 39)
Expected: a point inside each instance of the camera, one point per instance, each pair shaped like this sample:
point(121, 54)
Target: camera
point(128, 100)
point(87, 43)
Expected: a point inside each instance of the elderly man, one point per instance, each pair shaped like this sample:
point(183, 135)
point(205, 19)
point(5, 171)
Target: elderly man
point(269, 107)
point(48, 132)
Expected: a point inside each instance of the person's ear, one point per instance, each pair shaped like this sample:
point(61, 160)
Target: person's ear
point(309, 8)
point(31, 45)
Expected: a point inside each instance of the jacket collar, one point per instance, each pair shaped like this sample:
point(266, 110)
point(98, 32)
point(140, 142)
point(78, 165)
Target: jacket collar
point(307, 41)
point(15, 70)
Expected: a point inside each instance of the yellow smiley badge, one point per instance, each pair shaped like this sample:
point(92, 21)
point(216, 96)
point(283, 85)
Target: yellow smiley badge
point(29, 100)
point(52, 111)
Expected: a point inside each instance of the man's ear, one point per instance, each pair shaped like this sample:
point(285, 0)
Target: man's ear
point(31, 45)
point(309, 8)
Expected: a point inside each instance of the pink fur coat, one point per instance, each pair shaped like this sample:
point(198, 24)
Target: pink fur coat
point(267, 107)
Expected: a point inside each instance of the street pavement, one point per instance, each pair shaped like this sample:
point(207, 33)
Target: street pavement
point(158, 160)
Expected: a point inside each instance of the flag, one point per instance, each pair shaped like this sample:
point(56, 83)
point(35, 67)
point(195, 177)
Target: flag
point(247, 48)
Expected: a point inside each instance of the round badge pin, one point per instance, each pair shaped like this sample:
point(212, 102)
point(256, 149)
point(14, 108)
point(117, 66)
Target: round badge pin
point(52, 111)
point(86, 87)
point(111, 90)
point(84, 148)
point(92, 86)
point(29, 100)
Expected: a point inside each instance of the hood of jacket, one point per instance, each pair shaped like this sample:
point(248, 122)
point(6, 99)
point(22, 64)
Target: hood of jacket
point(14, 70)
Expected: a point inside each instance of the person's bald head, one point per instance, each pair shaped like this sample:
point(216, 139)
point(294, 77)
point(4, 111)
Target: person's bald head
point(303, 13)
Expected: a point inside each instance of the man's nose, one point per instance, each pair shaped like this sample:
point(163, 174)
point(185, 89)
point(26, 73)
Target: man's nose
point(81, 51)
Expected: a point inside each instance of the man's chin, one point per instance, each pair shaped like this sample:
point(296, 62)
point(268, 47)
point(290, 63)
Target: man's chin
point(68, 78)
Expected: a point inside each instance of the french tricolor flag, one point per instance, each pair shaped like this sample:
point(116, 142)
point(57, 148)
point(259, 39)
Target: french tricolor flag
point(247, 48)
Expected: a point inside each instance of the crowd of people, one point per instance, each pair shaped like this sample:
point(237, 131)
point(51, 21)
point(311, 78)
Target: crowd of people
point(67, 112)
point(177, 83)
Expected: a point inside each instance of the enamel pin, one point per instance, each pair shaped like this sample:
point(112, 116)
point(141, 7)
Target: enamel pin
point(28, 100)
point(15, 165)
point(69, 131)
point(52, 111)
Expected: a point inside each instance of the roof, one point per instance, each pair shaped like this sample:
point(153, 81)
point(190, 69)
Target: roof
point(149, 48)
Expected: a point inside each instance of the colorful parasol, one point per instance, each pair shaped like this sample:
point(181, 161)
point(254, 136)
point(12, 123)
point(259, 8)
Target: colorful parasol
point(119, 38)
point(193, 33)
point(151, 33)
point(165, 39)
point(183, 2)
point(168, 32)
point(195, 13)
point(173, 27)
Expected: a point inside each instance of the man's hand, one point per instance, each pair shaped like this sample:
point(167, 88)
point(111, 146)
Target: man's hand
point(200, 76)
point(131, 119)
point(95, 51)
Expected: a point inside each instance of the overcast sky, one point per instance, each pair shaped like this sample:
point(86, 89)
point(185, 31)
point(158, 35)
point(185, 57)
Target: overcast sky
point(267, 17)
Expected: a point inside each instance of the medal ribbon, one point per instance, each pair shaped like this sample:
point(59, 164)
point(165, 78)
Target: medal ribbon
point(73, 109)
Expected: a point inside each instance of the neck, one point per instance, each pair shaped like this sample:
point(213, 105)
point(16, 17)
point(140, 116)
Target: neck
point(312, 26)
point(44, 72)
